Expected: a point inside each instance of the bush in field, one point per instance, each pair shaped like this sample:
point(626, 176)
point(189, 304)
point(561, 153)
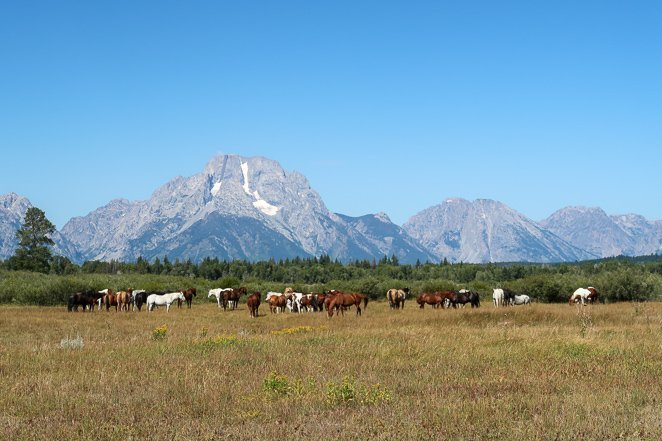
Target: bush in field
point(623, 285)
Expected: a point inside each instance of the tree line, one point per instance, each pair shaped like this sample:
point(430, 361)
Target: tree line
point(617, 279)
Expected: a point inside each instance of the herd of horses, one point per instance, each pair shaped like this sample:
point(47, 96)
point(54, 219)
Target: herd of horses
point(333, 301)
point(130, 299)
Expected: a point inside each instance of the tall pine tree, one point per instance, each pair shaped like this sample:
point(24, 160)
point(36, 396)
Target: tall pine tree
point(33, 253)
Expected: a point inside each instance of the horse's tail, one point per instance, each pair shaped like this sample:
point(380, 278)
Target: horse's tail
point(365, 302)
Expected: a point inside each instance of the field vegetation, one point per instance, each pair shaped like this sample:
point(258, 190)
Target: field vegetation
point(618, 279)
point(545, 371)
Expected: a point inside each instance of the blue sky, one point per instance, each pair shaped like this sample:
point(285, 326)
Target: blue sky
point(384, 106)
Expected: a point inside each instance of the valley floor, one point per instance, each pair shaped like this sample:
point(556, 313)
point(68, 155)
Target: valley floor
point(546, 371)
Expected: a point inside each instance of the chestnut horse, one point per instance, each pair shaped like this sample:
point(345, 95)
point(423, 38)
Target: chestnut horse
point(108, 298)
point(231, 297)
point(277, 301)
point(253, 303)
point(436, 299)
point(338, 301)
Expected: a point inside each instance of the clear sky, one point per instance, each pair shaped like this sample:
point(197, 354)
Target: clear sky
point(387, 106)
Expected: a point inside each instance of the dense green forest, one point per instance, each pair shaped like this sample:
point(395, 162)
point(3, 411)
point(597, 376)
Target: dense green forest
point(617, 279)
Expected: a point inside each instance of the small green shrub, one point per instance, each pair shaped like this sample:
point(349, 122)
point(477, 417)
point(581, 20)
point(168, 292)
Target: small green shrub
point(276, 385)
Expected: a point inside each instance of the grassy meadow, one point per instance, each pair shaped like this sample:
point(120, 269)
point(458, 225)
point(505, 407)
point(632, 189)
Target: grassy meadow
point(546, 371)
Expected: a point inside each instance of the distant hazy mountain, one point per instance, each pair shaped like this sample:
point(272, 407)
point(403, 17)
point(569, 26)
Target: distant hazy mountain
point(12, 212)
point(248, 208)
point(603, 235)
point(487, 231)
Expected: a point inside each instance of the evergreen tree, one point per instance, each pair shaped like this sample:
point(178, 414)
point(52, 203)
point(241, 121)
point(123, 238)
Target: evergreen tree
point(33, 253)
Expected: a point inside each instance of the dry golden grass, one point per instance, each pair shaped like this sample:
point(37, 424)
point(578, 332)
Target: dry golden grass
point(524, 373)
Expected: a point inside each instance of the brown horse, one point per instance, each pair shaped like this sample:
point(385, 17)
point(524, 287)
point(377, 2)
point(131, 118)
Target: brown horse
point(436, 299)
point(233, 296)
point(277, 303)
point(253, 303)
point(123, 299)
point(339, 301)
point(188, 297)
point(108, 298)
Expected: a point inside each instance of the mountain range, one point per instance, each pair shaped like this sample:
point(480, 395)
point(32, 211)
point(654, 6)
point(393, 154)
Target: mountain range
point(253, 209)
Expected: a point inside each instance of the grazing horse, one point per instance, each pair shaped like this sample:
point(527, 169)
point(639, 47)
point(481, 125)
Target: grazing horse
point(219, 294)
point(396, 297)
point(108, 299)
point(154, 300)
point(188, 295)
point(86, 299)
point(522, 300)
point(123, 299)
point(436, 299)
point(338, 301)
point(253, 303)
point(584, 295)
point(502, 297)
point(464, 296)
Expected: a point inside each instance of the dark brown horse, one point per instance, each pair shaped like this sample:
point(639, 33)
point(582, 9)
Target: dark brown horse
point(253, 303)
point(86, 299)
point(188, 296)
point(464, 296)
point(231, 297)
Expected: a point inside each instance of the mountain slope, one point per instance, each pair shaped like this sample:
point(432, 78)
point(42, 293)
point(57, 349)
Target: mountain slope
point(603, 235)
point(237, 207)
point(487, 231)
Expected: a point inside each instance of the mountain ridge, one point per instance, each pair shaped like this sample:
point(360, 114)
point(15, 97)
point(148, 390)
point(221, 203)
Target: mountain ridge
point(251, 208)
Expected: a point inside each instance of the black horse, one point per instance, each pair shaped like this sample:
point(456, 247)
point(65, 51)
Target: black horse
point(85, 299)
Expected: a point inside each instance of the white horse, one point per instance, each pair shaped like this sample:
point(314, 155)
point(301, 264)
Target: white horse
point(522, 300)
point(154, 300)
point(218, 293)
point(497, 297)
point(296, 301)
point(582, 295)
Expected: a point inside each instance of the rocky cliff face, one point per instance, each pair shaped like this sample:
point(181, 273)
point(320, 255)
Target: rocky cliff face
point(12, 212)
point(487, 231)
point(248, 208)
